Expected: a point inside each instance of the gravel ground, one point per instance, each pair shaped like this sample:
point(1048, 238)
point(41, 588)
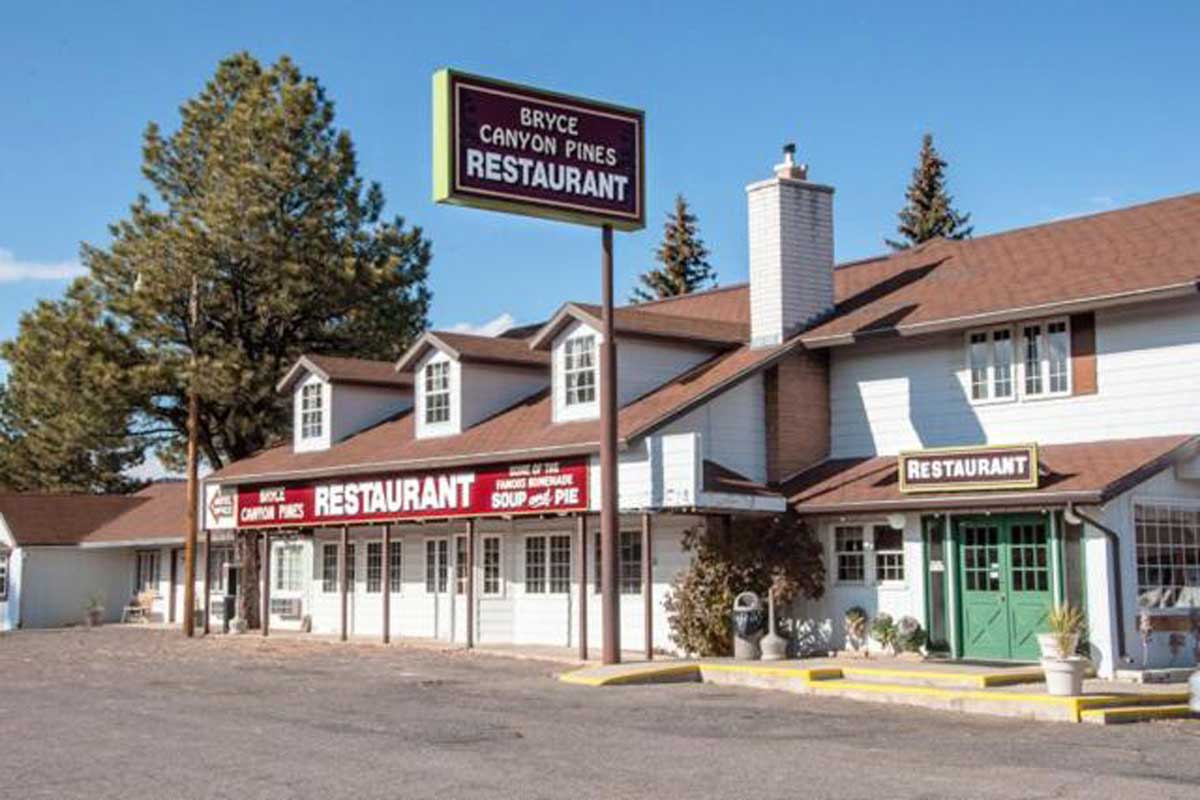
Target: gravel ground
point(139, 713)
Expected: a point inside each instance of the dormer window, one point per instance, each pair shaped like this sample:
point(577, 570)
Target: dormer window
point(437, 392)
point(312, 412)
point(579, 370)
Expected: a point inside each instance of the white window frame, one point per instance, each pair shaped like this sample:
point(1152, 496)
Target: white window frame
point(395, 570)
point(577, 391)
point(626, 568)
point(288, 568)
point(1017, 365)
point(439, 579)
point(876, 552)
point(374, 544)
point(483, 565)
point(861, 553)
point(326, 587)
point(436, 384)
point(222, 556)
point(1140, 549)
point(312, 411)
point(462, 571)
point(544, 591)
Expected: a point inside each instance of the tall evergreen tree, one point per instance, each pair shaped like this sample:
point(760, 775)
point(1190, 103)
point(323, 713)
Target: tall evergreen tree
point(258, 196)
point(683, 256)
point(65, 411)
point(928, 213)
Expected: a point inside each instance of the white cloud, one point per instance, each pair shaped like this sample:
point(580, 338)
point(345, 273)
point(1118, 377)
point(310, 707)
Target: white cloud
point(493, 327)
point(12, 270)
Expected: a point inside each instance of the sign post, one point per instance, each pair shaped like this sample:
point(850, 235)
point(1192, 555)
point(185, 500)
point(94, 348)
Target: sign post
point(505, 147)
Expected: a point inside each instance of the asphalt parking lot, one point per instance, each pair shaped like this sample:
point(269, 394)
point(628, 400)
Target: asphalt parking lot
point(129, 713)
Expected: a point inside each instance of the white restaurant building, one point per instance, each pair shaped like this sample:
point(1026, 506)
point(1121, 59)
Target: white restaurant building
point(462, 481)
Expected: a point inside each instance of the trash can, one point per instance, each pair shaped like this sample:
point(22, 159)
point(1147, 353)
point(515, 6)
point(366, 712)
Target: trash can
point(747, 626)
point(228, 612)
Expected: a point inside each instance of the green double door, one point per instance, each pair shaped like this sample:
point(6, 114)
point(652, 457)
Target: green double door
point(1005, 585)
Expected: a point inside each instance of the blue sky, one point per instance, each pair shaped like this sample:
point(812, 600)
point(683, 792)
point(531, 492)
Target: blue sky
point(1043, 110)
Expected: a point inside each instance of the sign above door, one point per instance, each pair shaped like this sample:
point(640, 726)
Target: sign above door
point(956, 469)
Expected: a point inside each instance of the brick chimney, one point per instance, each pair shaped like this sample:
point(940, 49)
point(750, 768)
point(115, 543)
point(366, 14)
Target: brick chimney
point(791, 251)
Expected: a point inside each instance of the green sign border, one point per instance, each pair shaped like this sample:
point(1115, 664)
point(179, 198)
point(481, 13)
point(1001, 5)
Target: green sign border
point(443, 159)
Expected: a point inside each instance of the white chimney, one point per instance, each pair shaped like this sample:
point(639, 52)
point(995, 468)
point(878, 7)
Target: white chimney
point(791, 251)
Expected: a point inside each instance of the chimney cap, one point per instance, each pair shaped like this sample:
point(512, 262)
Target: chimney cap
point(789, 168)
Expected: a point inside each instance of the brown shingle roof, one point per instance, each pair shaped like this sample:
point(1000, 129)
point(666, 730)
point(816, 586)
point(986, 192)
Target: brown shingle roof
point(1088, 260)
point(161, 513)
point(525, 430)
point(337, 369)
point(1090, 472)
point(493, 349)
point(59, 519)
point(725, 304)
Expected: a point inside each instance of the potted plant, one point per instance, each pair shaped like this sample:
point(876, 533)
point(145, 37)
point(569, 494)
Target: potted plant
point(856, 629)
point(884, 630)
point(1065, 670)
point(93, 612)
point(910, 638)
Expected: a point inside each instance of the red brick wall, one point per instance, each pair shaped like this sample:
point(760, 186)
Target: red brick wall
point(797, 397)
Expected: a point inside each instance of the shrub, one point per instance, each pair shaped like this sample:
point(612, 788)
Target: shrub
point(884, 631)
point(751, 554)
point(910, 636)
point(856, 626)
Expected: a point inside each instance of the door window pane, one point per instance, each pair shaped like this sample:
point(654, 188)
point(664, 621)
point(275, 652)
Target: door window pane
point(535, 564)
point(491, 565)
point(395, 566)
point(374, 567)
point(560, 564)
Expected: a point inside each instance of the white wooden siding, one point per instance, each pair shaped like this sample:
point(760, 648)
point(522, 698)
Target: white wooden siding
point(908, 394)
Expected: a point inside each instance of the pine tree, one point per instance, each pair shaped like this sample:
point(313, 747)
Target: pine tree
point(683, 256)
point(928, 214)
point(65, 409)
point(257, 194)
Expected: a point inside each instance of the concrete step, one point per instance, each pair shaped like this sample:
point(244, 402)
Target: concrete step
point(1114, 715)
point(950, 678)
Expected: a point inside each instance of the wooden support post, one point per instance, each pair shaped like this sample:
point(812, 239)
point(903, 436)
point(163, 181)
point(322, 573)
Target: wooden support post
point(207, 581)
point(470, 583)
point(648, 584)
point(582, 535)
point(343, 577)
point(387, 583)
point(266, 583)
point(174, 578)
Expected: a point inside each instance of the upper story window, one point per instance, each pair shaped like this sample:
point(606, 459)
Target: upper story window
point(437, 392)
point(312, 412)
point(1034, 357)
point(579, 370)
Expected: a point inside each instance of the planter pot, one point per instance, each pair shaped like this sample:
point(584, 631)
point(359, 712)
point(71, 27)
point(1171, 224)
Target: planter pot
point(1048, 642)
point(93, 617)
point(1064, 676)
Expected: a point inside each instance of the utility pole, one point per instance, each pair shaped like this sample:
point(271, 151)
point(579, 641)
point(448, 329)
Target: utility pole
point(193, 488)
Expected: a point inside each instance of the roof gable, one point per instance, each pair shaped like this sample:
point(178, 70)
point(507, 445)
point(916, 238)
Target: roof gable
point(335, 369)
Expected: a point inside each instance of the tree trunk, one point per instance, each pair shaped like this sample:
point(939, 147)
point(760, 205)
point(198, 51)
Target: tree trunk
point(248, 546)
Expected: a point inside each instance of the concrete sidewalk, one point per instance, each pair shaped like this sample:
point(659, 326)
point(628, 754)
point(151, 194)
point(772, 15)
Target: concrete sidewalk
point(1009, 691)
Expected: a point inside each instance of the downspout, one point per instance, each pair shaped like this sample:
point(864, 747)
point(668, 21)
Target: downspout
point(1114, 541)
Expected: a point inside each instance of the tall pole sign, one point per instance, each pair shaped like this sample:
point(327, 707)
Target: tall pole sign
point(505, 147)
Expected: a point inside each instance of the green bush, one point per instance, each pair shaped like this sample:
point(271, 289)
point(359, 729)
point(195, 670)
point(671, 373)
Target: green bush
point(910, 636)
point(751, 554)
point(884, 631)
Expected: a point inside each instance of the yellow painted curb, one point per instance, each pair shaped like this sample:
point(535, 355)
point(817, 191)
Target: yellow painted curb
point(636, 674)
point(1135, 713)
